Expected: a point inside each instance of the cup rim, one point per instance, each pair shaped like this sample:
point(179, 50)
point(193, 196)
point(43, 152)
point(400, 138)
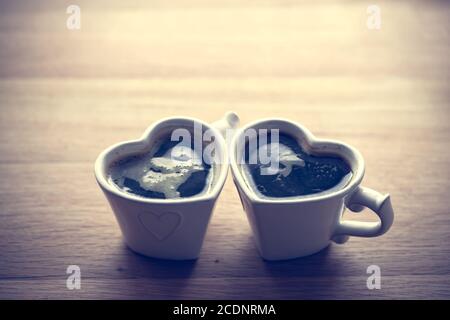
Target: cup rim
point(311, 141)
point(101, 167)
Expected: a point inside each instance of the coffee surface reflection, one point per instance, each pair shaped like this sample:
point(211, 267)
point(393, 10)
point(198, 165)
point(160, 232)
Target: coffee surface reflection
point(295, 173)
point(168, 171)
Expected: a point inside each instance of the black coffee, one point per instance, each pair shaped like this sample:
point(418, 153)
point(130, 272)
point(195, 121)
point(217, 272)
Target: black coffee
point(168, 171)
point(297, 173)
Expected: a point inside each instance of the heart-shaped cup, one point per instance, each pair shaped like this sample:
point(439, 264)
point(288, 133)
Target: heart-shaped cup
point(166, 228)
point(291, 227)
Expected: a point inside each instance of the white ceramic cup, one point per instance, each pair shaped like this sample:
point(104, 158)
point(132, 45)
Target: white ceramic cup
point(165, 228)
point(288, 228)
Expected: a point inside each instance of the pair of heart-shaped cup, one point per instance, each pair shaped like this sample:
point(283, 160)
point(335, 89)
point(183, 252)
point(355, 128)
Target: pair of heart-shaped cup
point(283, 228)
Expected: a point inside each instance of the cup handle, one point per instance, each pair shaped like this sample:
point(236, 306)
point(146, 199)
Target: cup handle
point(378, 203)
point(229, 121)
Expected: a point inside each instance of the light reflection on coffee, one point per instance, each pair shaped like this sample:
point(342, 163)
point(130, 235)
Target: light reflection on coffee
point(169, 170)
point(297, 173)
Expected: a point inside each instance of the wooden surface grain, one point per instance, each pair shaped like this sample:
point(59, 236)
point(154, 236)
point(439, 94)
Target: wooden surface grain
point(66, 95)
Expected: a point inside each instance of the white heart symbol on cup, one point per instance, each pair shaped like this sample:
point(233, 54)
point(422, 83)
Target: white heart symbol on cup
point(161, 225)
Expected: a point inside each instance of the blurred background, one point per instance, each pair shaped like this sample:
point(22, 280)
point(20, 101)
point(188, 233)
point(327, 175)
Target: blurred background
point(137, 60)
point(65, 95)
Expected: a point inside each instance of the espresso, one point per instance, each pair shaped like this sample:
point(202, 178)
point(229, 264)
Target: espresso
point(296, 173)
point(168, 171)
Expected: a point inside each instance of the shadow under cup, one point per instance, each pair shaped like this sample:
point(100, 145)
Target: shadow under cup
point(165, 228)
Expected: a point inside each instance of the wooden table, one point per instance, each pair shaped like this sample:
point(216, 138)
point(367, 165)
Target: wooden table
point(66, 95)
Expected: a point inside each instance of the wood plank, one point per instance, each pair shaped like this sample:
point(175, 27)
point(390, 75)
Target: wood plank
point(251, 288)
